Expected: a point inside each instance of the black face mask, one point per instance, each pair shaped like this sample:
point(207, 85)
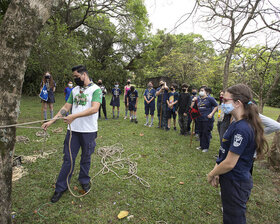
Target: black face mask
point(128, 83)
point(194, 93)
point(184, 90)
point(47, 77)
point(79, 82)
point(171, 89)
point(100, 83)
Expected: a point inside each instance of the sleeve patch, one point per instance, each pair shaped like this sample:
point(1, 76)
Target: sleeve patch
point(237, 140)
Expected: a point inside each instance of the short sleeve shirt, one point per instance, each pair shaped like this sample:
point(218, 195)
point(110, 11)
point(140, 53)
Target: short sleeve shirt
point(149, 94)
point(81, 99)
point(116, 92)
point(239, 139)
point(206, 106)
point(132, 96)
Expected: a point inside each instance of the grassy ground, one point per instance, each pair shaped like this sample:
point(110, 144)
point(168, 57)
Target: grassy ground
point(166, 160)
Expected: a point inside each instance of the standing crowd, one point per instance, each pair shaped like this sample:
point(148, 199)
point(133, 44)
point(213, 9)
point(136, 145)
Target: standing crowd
point(241, 129)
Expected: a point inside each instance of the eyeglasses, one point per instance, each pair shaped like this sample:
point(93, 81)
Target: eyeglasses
point(226, 100)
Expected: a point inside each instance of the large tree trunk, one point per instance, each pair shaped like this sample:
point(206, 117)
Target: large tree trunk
point(19, 29)
point(274, 153)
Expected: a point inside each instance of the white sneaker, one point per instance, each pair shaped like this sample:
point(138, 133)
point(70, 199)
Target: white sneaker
point(151, 125)
point(125, 117)
point(198, 148)
point(146, 124)
point(205, 150)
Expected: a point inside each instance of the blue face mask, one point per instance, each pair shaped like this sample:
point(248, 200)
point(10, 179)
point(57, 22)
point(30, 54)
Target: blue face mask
point(227, 108)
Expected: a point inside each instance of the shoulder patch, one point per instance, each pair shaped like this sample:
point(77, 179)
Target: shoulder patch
point(237, 140)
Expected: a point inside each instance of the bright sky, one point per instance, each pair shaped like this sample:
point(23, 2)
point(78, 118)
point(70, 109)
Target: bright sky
point(164, 14)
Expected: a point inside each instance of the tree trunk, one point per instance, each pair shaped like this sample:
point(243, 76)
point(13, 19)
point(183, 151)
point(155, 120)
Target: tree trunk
point(274, 153)
point(19, 29)
point(226, 67)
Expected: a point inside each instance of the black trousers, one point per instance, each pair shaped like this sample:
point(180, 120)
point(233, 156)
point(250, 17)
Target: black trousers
point(103, 105)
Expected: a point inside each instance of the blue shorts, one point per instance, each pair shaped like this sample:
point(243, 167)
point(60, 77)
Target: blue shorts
point(149, 108)
point(131, 107)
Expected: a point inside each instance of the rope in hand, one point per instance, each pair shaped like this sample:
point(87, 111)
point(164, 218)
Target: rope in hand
point(110, 158)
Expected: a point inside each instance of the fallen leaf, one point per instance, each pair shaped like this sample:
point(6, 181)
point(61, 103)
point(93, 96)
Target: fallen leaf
point(35, 211)
point(172, 177)
point(122, 214)
point(141, 134)
point(209, 213)
point(73, 202)
point(130, 217)
point(82, 191)
point(75, 188)
point(181, 183)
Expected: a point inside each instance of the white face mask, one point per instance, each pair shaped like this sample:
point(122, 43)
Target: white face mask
point(70, 85)
point(116, 86)
point(202, 93)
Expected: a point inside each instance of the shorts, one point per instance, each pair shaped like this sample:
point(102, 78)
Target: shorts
point(131, 107)
point(115, 101)
point(171, 113)
point(149, 108)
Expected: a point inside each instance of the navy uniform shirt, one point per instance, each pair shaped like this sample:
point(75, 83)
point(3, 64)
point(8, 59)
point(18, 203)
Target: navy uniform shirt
point(132, 96)
point(205, 107)
point(150, 93)
point(239, 139)
point(164, 97)
point(116, 92)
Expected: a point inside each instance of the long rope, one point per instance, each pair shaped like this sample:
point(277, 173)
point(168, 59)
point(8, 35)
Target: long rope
point(110, 158)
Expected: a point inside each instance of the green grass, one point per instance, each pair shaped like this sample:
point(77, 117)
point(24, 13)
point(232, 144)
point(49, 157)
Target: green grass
point(166, 159)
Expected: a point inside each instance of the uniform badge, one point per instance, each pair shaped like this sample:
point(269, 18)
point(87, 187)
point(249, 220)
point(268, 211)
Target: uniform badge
point(237, 140)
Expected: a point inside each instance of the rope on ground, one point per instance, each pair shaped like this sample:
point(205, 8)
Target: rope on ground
point(18, 172)
point(23, 139)
point(33, 158)
point(111, 158)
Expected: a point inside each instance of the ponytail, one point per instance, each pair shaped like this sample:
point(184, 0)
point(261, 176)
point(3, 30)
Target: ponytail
point(243, 93)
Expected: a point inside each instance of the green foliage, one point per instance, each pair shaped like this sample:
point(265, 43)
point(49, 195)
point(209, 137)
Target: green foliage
point(256, 66)
point(184, 58)
point(105, 40)
point(55, 51)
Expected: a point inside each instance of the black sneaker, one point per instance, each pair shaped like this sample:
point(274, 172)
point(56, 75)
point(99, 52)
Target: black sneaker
point(132, 120)
point(135, 121)
point(175, 128)
point(56, 196)
point(86, 187)
point(167, 129)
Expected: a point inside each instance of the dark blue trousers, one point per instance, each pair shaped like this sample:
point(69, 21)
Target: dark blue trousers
point(204, 128)
point(235, 194)
point(163, 115)
point(87, 142)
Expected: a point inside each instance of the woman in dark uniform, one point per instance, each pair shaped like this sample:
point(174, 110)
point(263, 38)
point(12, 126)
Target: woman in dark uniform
point(48, 81)
point(244, 137)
